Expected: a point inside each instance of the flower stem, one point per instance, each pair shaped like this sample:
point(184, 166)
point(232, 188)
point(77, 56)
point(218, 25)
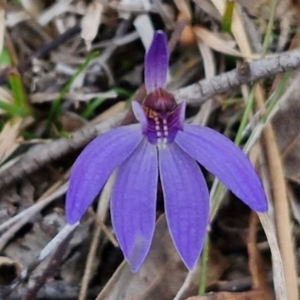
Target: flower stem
point(245, 117)
point(217, 192)
point(204, 264)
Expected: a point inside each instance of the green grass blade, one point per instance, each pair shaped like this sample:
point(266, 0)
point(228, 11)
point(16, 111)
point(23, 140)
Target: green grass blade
point(92, 107)
point(12, 109)
point(19, 95)
point(228, 15)
point(5, 59)
point(56, 106)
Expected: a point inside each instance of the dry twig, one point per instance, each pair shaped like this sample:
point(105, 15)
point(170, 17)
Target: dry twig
point(195, 94)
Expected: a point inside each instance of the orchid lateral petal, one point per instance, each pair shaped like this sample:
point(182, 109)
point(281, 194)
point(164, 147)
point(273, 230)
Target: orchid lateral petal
point(226, 161)
point(186, 202)
point(133, 203)
point(94, 166)
point(139, 114)
point(156, 63)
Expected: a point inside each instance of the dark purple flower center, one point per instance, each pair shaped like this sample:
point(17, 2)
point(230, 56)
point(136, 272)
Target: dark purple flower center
point(164, 117)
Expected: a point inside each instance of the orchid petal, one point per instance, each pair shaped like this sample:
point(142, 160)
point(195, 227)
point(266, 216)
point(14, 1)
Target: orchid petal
point(226, 161)
point(186, 202)
point(133, 203)
point(139, 114)
point(94, 166)
point(156, 63)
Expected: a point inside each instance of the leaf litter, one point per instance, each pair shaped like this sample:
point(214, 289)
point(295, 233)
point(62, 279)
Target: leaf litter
point(43, 40)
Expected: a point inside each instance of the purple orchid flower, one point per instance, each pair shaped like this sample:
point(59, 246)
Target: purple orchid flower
point(162, 146)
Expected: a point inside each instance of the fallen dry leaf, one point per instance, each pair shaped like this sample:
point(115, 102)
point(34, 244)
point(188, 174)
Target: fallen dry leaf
point(90, 23)
point(286, 125)
point(251, 295)
point(257, 266)
point(217, 265)
point(160, 276)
